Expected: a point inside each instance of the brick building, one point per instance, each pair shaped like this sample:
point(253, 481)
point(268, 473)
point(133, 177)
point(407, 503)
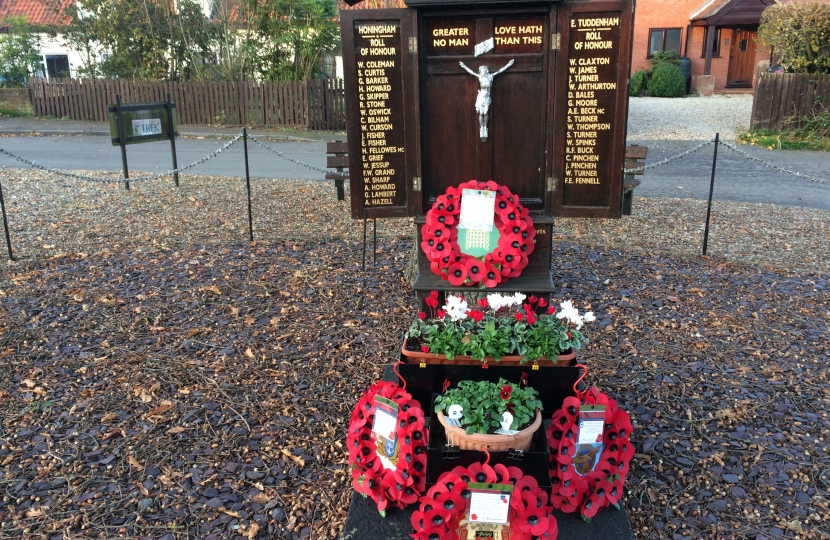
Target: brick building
point(729, 27)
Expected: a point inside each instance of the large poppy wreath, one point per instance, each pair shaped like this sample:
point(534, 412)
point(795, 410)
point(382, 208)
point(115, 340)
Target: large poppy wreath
point(440, 238)
point(404, 484)
point(444, 506)
point(603, 485)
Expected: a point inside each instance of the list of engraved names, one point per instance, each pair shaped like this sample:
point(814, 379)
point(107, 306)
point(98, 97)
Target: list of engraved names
point(380, 100)
point(592, 93)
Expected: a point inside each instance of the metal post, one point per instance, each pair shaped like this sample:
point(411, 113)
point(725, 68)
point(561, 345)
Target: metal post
point(172, 138)
point(374, 241)
point(711, 189)
point(6, 224)
point(248, 184)
point(120, 121)
point(364, 243)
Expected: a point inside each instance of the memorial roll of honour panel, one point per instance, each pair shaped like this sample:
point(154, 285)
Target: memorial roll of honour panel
point(532, 95)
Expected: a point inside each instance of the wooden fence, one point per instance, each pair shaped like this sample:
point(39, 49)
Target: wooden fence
point(782, 100)
point(314, 104)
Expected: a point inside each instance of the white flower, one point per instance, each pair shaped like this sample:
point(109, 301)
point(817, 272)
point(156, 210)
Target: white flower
point(567, 311)
point(495, 301)
point(456, 308)
point(518, 298)
point(589, 316)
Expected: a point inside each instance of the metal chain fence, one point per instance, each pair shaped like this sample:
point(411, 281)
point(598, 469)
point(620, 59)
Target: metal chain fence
point(734, 149)
point(669, 159)
point(121, 180)
point(289, 158)
point(774, 167)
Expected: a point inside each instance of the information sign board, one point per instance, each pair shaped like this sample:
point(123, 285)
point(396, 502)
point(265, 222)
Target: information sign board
point(143, 122)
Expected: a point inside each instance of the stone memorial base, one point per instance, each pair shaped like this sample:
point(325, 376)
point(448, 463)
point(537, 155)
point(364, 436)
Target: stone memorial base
point(365, 523)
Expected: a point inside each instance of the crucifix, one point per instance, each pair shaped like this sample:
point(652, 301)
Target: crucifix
point(485, 81)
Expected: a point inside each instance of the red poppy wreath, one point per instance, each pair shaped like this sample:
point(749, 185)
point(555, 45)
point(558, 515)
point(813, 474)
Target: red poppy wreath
point(393, 469)
point(440, 234)
point(442, 513)
point(588, 482)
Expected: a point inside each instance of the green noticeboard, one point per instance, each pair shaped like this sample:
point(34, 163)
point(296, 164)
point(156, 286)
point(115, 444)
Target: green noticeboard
point(143, 122)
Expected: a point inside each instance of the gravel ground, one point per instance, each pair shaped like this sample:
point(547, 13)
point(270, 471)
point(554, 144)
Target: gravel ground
point(689, 118)
point(204, 392)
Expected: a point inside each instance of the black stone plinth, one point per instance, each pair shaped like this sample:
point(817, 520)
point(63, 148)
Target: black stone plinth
point(365, 523)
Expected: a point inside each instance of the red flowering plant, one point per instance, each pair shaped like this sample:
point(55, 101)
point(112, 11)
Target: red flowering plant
point(442, 514)
point(439, 238)
point(484, 404)
point(499, 325)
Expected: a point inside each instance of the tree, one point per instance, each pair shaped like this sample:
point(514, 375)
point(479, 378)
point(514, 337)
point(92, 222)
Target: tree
point(19, 53)
point(144, 39)
point(799, 35)
point(296, 34)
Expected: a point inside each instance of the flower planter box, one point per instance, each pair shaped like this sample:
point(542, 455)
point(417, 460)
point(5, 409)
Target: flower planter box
point(458, 436)
point(418, 357)
point(534, 461)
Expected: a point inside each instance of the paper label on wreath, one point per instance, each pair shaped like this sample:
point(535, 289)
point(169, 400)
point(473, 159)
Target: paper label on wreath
point(384, 428)
point(477, 531)
point(589, 439)
point(478, 209)
point(489, 503)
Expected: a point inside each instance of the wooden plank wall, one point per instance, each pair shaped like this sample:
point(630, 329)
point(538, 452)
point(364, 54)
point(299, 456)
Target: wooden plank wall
point(314, 104)
point(782, 100)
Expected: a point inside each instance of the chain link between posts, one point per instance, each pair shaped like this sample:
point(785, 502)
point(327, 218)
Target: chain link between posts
point(774, 167)
point(291, 159)
point(734, 149)
point(122, 180)
point(669, 159)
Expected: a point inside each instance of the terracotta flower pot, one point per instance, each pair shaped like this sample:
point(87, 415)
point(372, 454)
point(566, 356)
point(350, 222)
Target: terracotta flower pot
point(494, 443)
point(416, 357)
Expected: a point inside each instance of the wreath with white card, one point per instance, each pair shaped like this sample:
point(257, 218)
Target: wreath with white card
point(478, 234)
point(387, 446)
point(448, 510)
point(587, 476)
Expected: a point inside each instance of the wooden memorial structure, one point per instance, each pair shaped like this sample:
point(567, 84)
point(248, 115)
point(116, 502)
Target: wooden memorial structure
point(554, 133)
point(530, 94)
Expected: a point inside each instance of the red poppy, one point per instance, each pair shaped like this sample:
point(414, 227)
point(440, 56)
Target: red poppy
point(502, 474)
point(422, 315)
point(542, 302)
point(482, 473)
point(475, 269)
point(519, 316)
point(531, 318)
point(431, 301)
point(440, 313)
point(445, 386)
point(532, 519)
point(424, 348)
point(551, 310)
point(506, 391)
point(451, 501)
point(456, 274)
point(492, 276)
point(532, 299)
